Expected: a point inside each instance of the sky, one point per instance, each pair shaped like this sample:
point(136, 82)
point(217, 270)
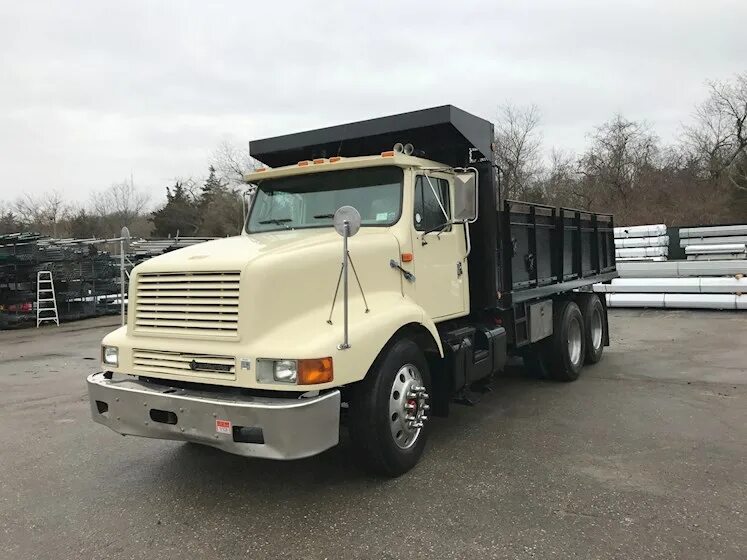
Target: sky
point(95, 92)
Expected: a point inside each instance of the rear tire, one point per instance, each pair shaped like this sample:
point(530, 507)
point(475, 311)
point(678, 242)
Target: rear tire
point(379, 432)
point(567, 345)
point(594, 325)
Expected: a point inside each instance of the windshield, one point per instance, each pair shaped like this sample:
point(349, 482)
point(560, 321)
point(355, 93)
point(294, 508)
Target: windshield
point(311, 200)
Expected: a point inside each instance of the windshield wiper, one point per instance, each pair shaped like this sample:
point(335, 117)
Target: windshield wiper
point(320, 216)
point(278, 222)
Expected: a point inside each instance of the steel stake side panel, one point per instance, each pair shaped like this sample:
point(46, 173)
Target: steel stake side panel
point(548, 250)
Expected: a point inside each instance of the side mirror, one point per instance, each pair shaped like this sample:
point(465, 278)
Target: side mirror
point(465, 196)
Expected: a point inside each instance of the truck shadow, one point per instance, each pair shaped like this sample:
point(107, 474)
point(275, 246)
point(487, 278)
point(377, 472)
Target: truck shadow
point(211, 472)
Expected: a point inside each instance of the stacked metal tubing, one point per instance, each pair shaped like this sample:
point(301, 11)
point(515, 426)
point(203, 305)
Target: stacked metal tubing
point(713, 277)
point(86, 276)
point(715, 242)
point(641, 243)
point(689, 293)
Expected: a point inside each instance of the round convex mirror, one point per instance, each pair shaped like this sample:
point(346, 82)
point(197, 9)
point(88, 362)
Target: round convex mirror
point(349, 214)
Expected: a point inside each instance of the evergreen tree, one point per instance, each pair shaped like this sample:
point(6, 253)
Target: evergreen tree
point(220, 208)
point(9, 223)
point(213, 187)
point(179, 216)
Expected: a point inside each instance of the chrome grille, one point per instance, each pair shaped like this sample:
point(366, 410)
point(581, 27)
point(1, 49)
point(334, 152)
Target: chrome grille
point(204, 365)
point(193, 303)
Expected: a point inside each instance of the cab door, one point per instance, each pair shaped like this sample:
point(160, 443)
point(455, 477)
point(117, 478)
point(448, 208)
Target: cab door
point(439, 265)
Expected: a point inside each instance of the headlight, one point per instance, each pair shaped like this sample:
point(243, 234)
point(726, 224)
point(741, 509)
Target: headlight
point(301, 372)
point(285, 371)
point(110, 355)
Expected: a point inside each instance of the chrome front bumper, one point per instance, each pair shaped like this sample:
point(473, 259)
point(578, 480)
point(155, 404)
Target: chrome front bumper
point(273, 428)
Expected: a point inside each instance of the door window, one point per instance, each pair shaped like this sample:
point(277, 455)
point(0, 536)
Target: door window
point(432, 204)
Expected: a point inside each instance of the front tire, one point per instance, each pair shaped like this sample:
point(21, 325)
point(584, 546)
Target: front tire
point(389, 411)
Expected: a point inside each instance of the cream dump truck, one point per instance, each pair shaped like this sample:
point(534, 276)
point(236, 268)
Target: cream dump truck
point(379, 278)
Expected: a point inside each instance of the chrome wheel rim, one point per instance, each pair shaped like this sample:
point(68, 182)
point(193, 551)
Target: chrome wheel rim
point(407, 406)
point(574, 341)
point(596, 329)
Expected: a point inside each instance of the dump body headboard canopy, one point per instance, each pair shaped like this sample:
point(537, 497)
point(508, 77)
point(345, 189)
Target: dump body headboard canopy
point(444, 134)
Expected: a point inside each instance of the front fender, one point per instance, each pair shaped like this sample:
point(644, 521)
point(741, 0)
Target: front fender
point(310, 336)
point(368, 338)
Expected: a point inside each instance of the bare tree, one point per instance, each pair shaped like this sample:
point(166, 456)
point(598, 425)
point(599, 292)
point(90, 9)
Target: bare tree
point(232, 162)
point(560, 181)
point(120, 204)
point(621, 151)
point(42, 212)
point(718, 137)
point(518, 143)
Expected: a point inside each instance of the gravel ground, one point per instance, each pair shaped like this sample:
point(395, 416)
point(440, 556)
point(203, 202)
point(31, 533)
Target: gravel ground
point(643, 457)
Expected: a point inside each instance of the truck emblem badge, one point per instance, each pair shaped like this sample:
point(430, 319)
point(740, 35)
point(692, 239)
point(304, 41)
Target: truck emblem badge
point(194, 365)
point(246, 363)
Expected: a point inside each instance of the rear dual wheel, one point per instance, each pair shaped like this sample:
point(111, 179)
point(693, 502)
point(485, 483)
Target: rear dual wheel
point(568, 343)
point(561, 355)
point(595, 325)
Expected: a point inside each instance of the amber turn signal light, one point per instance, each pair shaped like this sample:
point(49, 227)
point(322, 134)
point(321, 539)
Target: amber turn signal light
point(313, 372)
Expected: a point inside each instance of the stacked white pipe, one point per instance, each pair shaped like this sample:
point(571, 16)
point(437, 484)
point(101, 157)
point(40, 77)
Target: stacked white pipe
point(714, 243)
point(688, 293)
point(641, 243)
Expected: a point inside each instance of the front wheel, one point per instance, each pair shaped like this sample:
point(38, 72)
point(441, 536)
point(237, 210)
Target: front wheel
point(389, 411)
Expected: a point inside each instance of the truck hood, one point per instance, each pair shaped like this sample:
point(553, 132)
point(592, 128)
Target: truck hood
point(235, 253)
point(291, 276)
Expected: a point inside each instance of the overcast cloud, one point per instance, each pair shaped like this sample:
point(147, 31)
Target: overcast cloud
point(92, 91)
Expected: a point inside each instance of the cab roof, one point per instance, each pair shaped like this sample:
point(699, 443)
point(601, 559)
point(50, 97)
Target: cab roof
point(321, 165)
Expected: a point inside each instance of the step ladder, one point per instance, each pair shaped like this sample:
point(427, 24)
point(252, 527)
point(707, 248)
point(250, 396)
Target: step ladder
point(46, 301)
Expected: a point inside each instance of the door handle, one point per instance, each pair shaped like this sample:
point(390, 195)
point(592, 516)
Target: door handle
point(409, 276)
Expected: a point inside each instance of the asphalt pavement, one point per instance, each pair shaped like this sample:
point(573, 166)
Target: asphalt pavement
point(645, 456)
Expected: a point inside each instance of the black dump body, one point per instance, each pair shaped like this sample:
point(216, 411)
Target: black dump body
point(520, 251)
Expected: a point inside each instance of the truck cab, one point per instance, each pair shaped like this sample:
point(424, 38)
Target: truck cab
point(251, 345)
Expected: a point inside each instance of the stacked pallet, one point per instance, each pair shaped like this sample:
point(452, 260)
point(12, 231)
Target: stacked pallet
point(641, 243)
point(714, 243)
